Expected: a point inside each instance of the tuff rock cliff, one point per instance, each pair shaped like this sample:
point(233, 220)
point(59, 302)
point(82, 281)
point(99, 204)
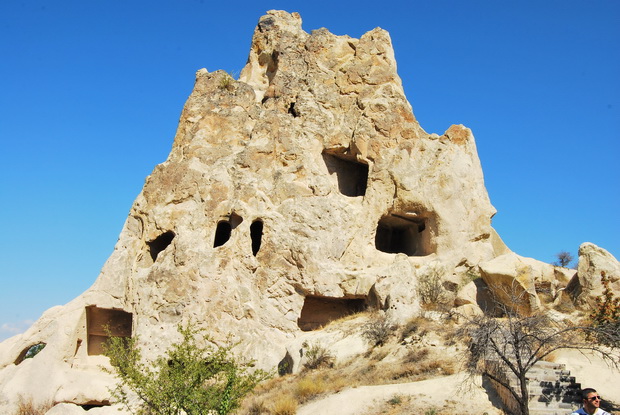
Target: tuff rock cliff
point(303, 191)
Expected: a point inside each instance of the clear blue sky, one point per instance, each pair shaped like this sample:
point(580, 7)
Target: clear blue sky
point(91, 92)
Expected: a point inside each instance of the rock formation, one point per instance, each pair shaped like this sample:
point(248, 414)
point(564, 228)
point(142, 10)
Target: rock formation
point(304, 191)
point(585, 285)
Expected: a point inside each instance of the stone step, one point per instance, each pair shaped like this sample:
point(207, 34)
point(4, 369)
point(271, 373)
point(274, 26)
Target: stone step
point(552, 400)
point(549, 401)
point(539, 404)
point(552, 390)
point(558, 373)
point(563, 387)
point(550, 365)
point(549, 369)
point(555, 383)
point(547, 379)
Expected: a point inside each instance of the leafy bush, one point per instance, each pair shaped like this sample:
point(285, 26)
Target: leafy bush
point(189, 379)
point(395, 400)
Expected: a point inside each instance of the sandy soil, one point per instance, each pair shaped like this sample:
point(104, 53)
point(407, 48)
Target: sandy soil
point(451, 395)
point(441, 394)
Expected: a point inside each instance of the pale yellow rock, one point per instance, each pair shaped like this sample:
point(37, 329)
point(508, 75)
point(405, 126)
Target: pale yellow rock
point(466, 312)
point(511, 280)
point(66, 409)
point(308, 181)
point(586, 285)
point(467, 295)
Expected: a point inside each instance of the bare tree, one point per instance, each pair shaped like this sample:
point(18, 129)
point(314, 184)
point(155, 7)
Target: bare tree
point(564, 259)
point(509, 346)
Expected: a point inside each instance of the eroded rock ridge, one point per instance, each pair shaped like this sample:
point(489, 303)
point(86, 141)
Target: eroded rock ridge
point(304, 191)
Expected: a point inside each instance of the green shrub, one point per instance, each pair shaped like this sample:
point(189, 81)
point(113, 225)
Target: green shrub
point(395, 400)
point(227, 81)
point(189, 379)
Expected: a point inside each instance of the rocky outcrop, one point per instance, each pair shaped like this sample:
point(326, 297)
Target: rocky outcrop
point(586, 285)
point(514, 283)
point(511, 280)
point(302, 192)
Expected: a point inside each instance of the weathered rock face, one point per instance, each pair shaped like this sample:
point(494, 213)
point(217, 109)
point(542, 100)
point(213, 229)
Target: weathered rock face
point(586, 285)
point(304, 191)
point(518, 282)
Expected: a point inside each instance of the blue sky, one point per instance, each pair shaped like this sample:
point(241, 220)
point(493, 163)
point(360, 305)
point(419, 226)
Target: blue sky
point(91, 92)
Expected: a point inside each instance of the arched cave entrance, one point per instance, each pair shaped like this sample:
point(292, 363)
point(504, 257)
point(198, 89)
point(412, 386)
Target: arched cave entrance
point(222, 233)
point(352, 175)
point(99, 321)
point(409, 235)
point(224, 229)
point(256, 233)
point(160, 243)
point(317, 311)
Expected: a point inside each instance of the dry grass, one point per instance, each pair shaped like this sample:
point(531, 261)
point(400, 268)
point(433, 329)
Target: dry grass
point(277, 396)
point(285, 405)
point(407, 405)
point(395, 362)
point(416, 326)
point(415, 355)
point(552, 357)
point(317, 356)
point(378, 330)
point(26, 406)
point(413, 372)
point(376, 354)
point(309, 387)
point(257, 407)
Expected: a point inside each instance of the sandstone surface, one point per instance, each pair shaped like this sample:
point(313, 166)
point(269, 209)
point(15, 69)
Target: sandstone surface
point(586, 285)
point(516, 281)
point(300, 193)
